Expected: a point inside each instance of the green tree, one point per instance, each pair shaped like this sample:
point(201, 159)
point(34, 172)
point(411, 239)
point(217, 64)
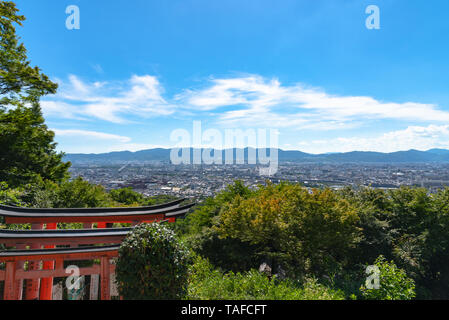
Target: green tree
point(152, 264)
point(27, 150)
point(204, 214)
point(435, 254)
point(81, 194)
point(373, 209)
point(9, 196)
point(394, 284)
point(20, 83)
point(197, 228)
point(307, 232)
point(126, 196)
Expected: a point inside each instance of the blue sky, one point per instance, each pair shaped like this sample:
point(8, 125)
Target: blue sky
point(138, 70)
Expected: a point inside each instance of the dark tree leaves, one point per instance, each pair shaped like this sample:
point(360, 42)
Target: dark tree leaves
point(27, 150)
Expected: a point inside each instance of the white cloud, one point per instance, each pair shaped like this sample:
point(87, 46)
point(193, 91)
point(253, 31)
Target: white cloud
point(61, 109)
point(259, 101)
point(243, 101)
point(90, 134)
point(140, 95)
point(248, 102)
point(87, 141)
point(414, 137)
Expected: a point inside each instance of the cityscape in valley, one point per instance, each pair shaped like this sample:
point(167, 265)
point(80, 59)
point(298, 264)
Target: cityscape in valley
point(161, 177)
point(222, 151)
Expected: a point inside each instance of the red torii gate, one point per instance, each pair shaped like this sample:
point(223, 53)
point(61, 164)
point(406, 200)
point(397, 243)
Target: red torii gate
point(37, 237)
point(12, 275)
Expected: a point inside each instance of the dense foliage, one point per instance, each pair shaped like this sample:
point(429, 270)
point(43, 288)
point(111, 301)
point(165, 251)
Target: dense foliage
point(206, 283)
point(27, 150)
point(394, 284)
point(152, 264)
point(20, 83)
point(329, 235)
point(290, 226)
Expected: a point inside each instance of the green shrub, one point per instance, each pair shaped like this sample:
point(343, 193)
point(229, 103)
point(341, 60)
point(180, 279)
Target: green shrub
point(126, 196)
point(205, 282)
point(9, 196)
point(227, 254)
point(80, 193)
point(152, 264)
point(393, 283)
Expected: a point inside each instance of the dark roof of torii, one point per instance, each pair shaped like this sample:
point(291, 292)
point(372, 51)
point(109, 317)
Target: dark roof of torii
point(169, 209)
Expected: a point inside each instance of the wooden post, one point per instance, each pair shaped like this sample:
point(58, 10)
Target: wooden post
point(19, 283)
point(47, 283)
point(57, 292)
point(9, 280)
point(94, 280)
point(32, 285)
point(114, 289)
point(105, 279)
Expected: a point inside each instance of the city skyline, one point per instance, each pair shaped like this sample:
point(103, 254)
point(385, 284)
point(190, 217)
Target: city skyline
point(131, 75)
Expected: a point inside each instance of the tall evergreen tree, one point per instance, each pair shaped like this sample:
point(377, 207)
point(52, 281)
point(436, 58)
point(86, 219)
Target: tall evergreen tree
point(27, 150)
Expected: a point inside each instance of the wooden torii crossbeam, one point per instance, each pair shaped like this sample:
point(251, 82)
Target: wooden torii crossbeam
point(63, 236)
point(42, 242)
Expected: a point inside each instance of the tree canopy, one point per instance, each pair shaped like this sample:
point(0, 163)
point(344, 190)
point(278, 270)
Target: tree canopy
point(20, 83)
point(27, 149)
point(329, 234)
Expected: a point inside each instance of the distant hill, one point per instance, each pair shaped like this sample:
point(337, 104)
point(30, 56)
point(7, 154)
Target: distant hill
point(439, 151)
point(163, 155)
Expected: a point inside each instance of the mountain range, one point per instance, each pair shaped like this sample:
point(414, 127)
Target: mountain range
point(159, 154)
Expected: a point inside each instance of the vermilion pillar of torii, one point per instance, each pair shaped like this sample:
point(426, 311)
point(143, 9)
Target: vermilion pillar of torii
point(19, 283)
point(32, 285)
point(46, 285)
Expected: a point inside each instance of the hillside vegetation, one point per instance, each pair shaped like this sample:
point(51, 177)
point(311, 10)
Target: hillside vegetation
point(331, 236)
